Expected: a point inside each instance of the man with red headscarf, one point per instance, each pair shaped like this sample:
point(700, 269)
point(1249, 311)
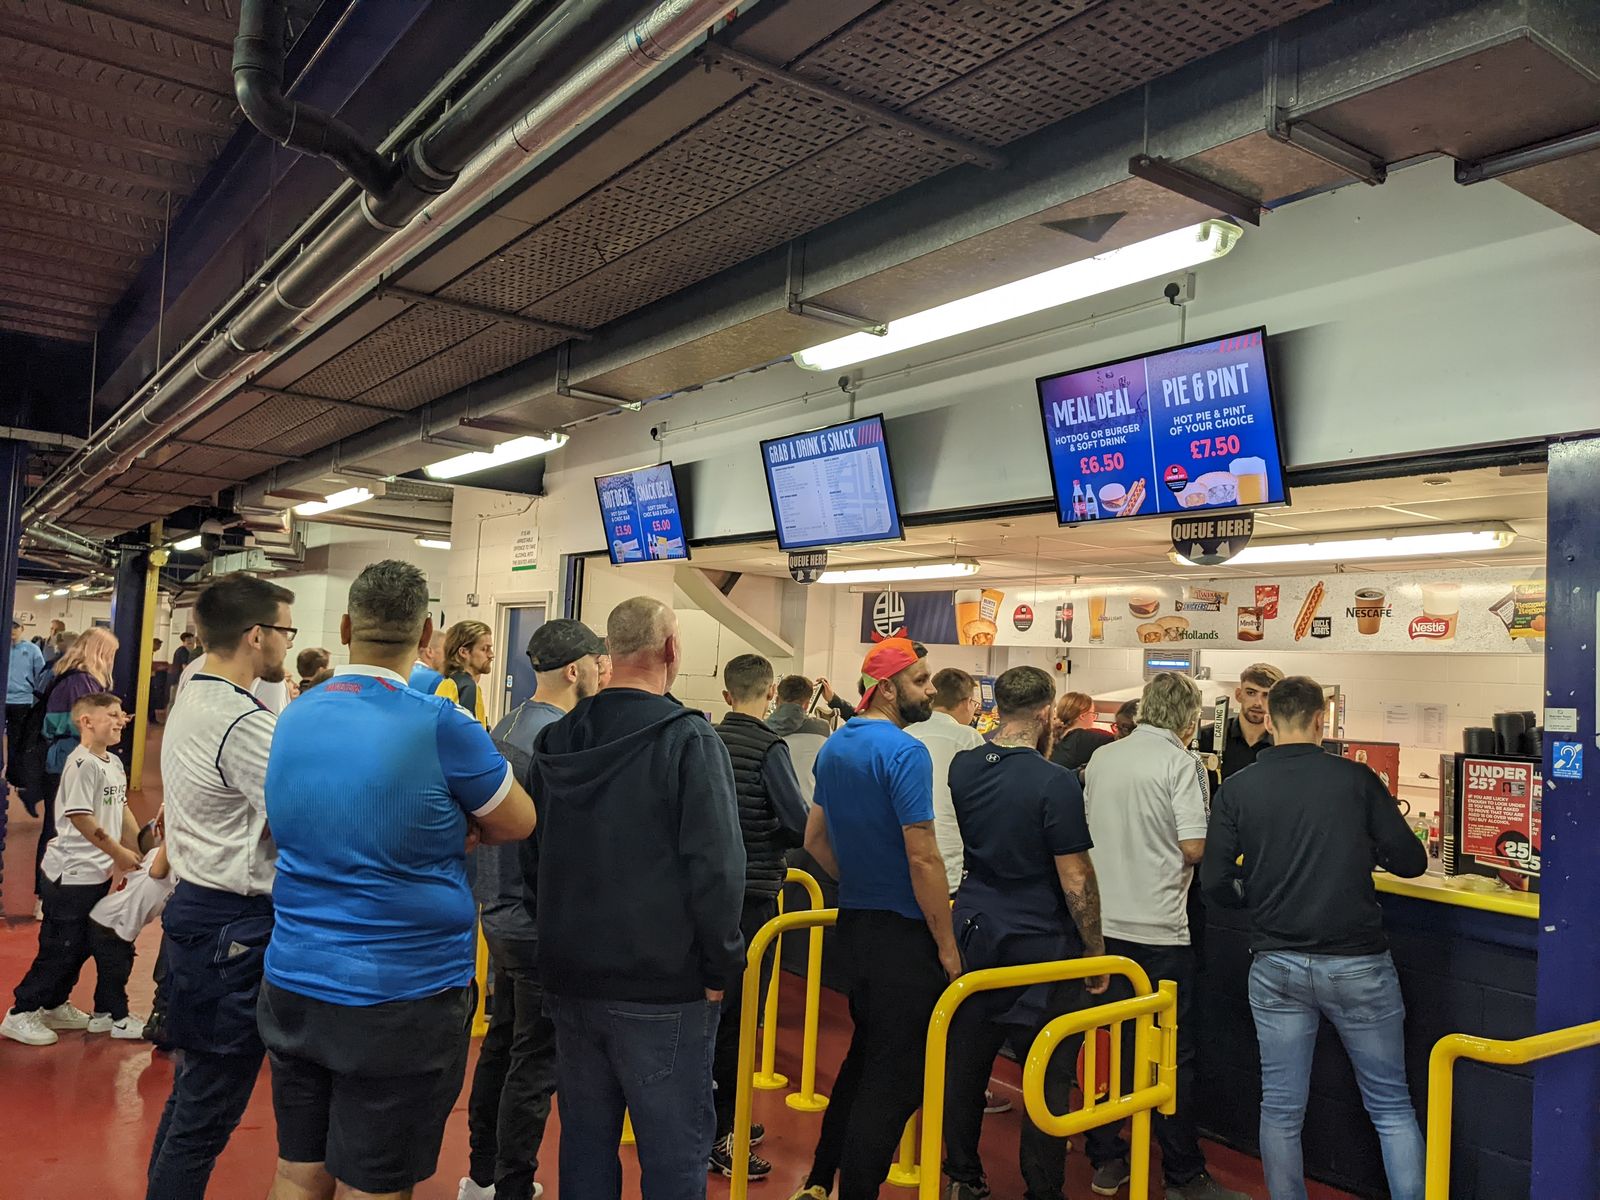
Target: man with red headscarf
point(871, 827)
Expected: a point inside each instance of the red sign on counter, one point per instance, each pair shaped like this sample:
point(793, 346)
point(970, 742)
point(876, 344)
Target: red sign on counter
point(1500, 813)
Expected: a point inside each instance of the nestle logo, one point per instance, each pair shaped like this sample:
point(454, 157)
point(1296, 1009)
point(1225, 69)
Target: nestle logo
point(331, 686)
point(1429, 627)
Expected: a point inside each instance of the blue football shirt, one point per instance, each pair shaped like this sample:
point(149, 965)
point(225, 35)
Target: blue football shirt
point(872, 780)
point(369, 786)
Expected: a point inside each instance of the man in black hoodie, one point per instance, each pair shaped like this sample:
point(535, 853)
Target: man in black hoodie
point(640, 891)
point(772, 820)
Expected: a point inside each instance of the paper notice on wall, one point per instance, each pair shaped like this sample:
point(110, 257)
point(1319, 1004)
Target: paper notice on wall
point(525, 551)
point(1432, 720)
point(1400, 724)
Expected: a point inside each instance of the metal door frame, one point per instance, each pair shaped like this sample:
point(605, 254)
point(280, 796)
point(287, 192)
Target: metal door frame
point(503, 604)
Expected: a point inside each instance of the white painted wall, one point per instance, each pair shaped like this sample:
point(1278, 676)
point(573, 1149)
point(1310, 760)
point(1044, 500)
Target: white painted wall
point(36, 615)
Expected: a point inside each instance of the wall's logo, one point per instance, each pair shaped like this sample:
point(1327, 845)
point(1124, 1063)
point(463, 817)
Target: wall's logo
point(888, 615)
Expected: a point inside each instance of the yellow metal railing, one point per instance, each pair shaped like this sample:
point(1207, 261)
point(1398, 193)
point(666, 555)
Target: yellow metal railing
point(767, 1078)
point(1441, 1083)
point(480, 971)
point(749, 997)
point(1154, 1073)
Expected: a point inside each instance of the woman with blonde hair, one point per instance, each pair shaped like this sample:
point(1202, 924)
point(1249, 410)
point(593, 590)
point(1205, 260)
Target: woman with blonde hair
point(83, 669)
point(1077, 736)
point(468, 655)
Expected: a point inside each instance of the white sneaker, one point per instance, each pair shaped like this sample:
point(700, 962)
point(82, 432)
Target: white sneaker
point(129, 1027)
point(65, 1016)
point(28, 1028)
point(38, 910)
point(467, 1190)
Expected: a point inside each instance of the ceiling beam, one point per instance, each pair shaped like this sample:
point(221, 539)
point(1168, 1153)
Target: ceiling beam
point(44, 331)
point(88, 166)
point(25, 201)
point(483, 310)
point(152, 207)
point(109, 134)
point(111, 51)
point(354, 405)
point(70, 229)
point(749, 66)
point(13, 278)
point(183, 20)
point(12, 311)
point(115, 278)
point(67, 309)
point(72, 250)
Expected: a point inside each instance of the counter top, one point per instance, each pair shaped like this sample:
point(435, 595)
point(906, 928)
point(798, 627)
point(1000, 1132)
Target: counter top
point(1441, 890)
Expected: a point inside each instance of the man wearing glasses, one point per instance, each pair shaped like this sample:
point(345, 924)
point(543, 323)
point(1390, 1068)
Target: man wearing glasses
point(219, 920)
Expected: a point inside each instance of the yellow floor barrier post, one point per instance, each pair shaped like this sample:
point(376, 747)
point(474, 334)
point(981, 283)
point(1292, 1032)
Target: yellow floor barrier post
point(808, 1099)
point(627, 1128)
point(905, 1172)
point(749, 997)
point(1155, 1049)
point(480, 1019)
point(767, 1078)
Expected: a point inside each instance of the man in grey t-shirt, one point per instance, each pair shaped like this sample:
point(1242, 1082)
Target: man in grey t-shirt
point(1147, 814)
point(516, 1072)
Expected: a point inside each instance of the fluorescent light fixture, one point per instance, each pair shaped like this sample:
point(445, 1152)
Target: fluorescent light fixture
point(344, 499)
point(189, 543)
point(506, 452)
point(1403, 543)
point(428, 543)
point(959, 568)
point(62, 592)
point(1170, 252)
point(79, 587)
point(41, 595)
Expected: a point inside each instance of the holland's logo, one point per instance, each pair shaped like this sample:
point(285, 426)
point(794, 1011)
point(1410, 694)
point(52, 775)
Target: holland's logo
point(888, 614)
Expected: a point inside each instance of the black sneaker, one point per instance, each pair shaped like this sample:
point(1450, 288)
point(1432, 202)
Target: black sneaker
point(968, 1191)
point(758, 1134)
point(721, 1160)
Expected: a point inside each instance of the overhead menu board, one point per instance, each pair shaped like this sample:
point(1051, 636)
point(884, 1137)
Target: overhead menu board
point(642, 519)
point(1186, 429)
point(832, 486)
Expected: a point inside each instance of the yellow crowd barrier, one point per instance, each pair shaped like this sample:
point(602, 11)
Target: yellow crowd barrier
point(904, 1171)
point(1441, 1083)
point(480, 1018)
point(1154, 1070)
point(749, 997)
point(767, 1078)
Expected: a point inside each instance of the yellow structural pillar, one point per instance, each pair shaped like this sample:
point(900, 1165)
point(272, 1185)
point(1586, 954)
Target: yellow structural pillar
point(147, 652)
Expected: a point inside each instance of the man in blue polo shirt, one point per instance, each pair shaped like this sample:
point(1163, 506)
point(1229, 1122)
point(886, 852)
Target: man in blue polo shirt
point(371, 791)
point(871, 828)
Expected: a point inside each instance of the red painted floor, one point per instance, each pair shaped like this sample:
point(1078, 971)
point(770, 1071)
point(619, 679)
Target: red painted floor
point(77, 1118)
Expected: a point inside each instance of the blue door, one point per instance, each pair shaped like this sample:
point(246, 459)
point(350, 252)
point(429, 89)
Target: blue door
point(518, 677)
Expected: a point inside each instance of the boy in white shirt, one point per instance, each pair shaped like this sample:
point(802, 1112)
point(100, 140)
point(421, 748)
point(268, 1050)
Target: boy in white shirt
point(94, 834)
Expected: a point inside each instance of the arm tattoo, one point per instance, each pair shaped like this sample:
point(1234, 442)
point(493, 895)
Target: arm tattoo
point(1084, 904)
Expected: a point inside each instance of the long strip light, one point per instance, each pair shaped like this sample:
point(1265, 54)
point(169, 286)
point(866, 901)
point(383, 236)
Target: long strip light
point(959, 568)
point(41, 595)
point(1170, 252)
point(428, 543)
point(1347, 548)
point(344, 499)
point(506, 452)
point(191, 542)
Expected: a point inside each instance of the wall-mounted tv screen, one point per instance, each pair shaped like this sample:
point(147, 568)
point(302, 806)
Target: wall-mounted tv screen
point(641, 515)
point(833, 486)
point(1181, 430)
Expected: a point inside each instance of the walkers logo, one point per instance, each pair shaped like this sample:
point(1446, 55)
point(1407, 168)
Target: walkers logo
point(1430, 629)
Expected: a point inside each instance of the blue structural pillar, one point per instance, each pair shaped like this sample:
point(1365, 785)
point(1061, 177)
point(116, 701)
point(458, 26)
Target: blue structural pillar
point(13, 485)
point(1566, 1094)
point(127, 622)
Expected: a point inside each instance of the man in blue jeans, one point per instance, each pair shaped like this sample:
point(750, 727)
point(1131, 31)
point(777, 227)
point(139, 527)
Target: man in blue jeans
point(1310, 826)
point(640, 890)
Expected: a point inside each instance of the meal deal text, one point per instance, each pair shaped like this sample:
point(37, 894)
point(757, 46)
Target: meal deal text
point(1189, 428)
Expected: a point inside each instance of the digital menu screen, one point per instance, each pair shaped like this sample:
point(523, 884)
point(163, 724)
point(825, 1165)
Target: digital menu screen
point(1174, 432)
point(832, 486)
point(642, 520)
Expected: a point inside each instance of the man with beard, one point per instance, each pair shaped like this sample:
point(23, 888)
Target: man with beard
point(1030, 895)
point(516, 1072)
point(1247, 734)
point(218, 922)
point(871, 827)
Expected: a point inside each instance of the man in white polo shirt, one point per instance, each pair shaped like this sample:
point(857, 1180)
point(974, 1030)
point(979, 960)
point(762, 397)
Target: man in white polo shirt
point(946, 734)
point(367, 1005)
point(214, 769)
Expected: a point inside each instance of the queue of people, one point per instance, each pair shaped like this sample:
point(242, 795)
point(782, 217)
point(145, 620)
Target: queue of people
point(323, 915)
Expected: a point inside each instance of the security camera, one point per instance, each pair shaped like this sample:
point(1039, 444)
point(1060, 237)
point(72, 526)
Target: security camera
point(210, 537)
point(655, 433)
point(847, 385)
point(1172, 292)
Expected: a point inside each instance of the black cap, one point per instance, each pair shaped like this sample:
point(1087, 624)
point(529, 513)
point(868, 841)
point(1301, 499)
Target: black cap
point(557, 643)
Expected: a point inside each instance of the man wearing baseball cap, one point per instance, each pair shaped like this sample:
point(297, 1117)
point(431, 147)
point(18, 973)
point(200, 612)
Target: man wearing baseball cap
point(871, 827)
point(516, 1072)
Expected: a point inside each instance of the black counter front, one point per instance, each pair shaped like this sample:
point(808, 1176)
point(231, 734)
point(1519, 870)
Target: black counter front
point(1462, 970)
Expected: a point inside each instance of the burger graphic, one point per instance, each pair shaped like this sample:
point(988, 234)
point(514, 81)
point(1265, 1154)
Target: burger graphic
point(1144, 605)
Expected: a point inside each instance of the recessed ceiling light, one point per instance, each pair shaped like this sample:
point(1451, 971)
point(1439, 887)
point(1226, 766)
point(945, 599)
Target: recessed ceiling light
point(1436, 481)
point(354, 495)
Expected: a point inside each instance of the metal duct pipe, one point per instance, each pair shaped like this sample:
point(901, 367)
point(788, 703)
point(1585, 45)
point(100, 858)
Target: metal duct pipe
point(258, 54)
point(362, 247)
point(71, 544)
point(416, 526)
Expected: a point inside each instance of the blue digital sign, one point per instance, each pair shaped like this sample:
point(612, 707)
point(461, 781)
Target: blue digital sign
point(1178, 431)
point(832, 487)
point(640, 510)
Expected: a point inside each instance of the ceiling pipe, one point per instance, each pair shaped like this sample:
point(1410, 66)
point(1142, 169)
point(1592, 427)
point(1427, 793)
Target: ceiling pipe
point(258, 54)
point(372, 239)
point(70, 544)
point(415, 526)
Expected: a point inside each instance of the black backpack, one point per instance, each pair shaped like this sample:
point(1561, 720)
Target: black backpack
point(31, 749)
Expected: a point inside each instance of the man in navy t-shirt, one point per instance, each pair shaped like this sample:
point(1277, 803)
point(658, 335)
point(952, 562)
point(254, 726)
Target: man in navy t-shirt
point(1029, 895)
point(871, 827)
point(371, 790)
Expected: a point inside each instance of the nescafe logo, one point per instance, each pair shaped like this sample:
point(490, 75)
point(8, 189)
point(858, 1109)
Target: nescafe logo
point(1022, 618)
point(1429, 627)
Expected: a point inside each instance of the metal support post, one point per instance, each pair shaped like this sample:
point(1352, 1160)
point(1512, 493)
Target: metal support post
point(154, 561)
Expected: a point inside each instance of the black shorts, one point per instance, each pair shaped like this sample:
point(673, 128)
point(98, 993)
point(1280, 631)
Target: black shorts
point(366, 1090)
